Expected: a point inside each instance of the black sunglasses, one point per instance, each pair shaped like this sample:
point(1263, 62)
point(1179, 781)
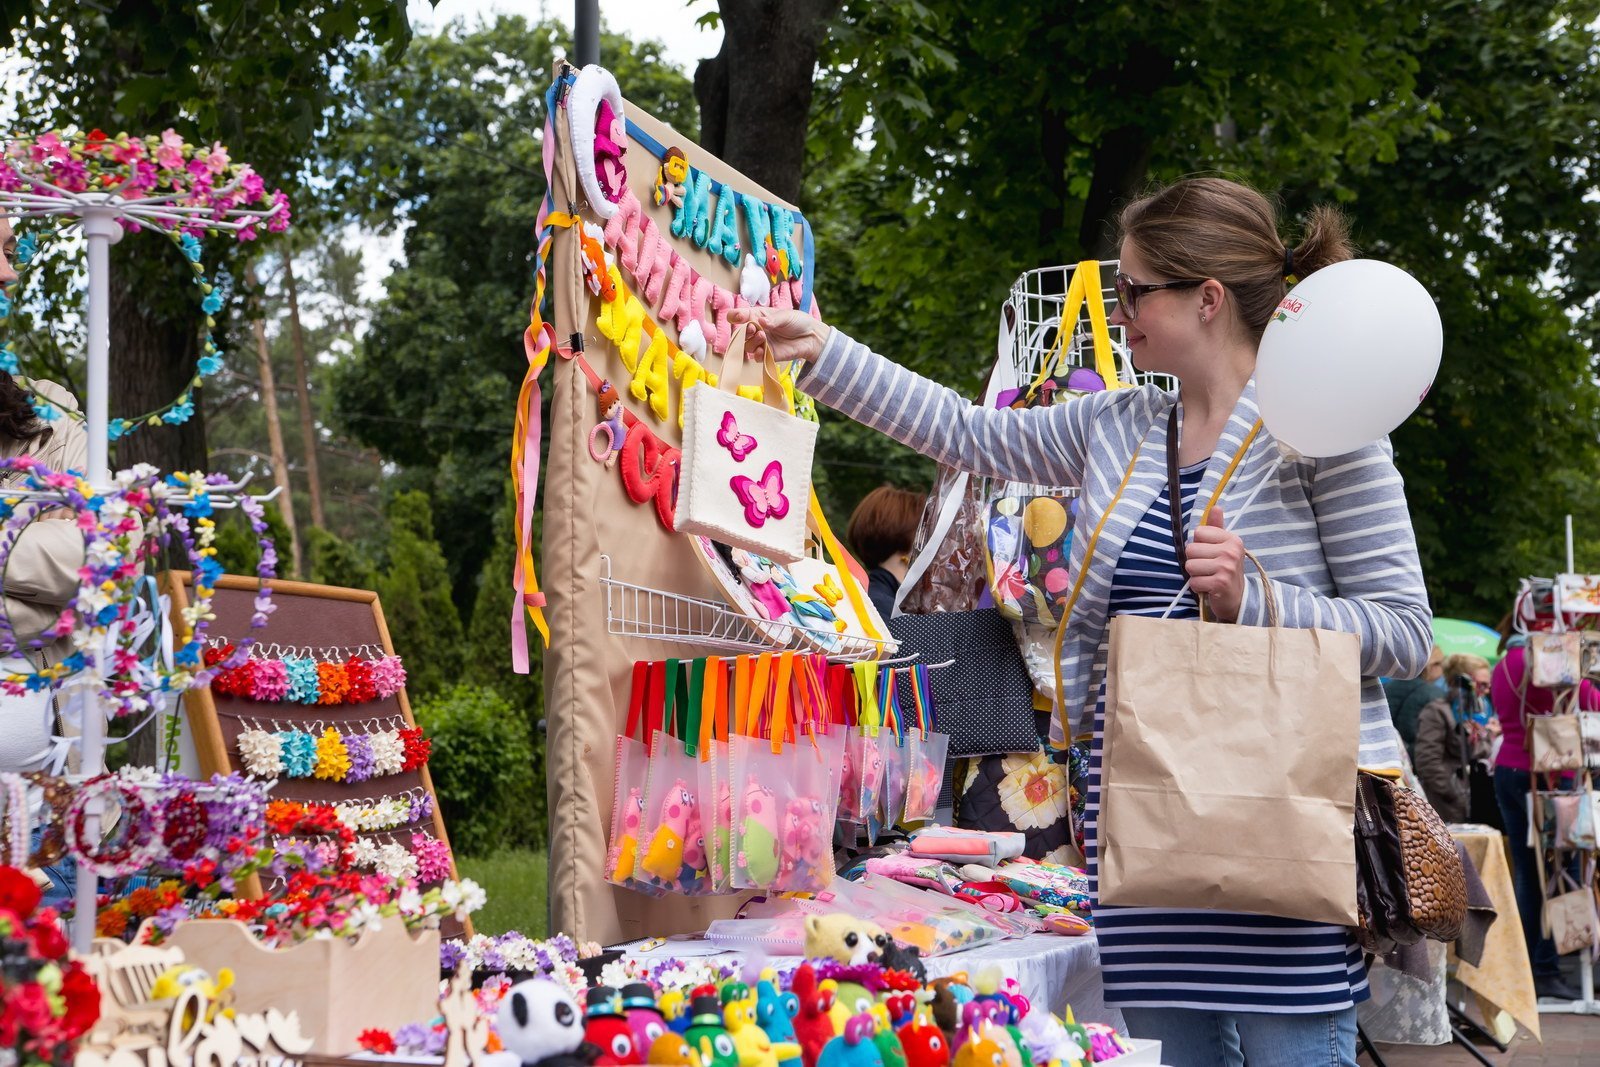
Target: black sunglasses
point(1129, 291)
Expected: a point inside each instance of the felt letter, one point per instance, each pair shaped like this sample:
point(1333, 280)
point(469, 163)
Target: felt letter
point(700, 294)
point(650, 380)
point(783, 239)
point(689, 373)
point(679, 288)
point(692, 220)
point(622, 232)
point(725, 234)
point(622, 323)
point(655, 254)
point(755, 217)
point(722, 302)
point(650, 471)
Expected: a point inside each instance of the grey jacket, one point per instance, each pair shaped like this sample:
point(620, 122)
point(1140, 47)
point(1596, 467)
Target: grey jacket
point(1334, 534)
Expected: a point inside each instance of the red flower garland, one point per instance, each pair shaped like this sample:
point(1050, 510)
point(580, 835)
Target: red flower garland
point(186, 825)
point(417, 747)
point(380, 1042)
point(362, 688)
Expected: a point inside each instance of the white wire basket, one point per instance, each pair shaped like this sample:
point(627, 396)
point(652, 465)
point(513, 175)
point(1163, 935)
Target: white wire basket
point(655, 615)
point(1038, 298)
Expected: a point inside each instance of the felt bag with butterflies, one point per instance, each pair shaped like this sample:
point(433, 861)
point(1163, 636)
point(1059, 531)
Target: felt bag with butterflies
point(745, 475)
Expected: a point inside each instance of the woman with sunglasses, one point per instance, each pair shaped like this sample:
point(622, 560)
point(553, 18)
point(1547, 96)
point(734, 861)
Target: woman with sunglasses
point(1203, 270)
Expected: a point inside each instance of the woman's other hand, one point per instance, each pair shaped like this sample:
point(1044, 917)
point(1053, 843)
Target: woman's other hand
point(1216, 567)
point(786, 334)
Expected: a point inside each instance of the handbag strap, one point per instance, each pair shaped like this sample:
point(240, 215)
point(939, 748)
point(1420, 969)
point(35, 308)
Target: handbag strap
point(1175, 492)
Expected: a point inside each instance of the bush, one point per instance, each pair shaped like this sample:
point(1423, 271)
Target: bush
point(482, 767)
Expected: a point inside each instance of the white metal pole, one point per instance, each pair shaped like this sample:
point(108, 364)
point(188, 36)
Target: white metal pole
point(101, 230)
point(1571, 569)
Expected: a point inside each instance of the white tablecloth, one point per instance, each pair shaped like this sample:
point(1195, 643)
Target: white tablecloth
point(1053, 971)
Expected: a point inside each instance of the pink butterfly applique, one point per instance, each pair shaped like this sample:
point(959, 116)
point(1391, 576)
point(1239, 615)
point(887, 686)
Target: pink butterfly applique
point(739, 445)
point(762, 500)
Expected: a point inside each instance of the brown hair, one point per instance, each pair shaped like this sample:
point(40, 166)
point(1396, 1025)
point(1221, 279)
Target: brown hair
point(1215, 228)
point(17, 419)
point(884, 523)
point(1464, 663)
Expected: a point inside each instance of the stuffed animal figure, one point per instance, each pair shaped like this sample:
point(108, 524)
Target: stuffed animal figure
point(1105, 1043)
point(897, 956)
point(695, 861)
point(758, 849)
point(924, 1043)
point(981, 1048)
point(1079, 1035)
point(610, 145)
point(542, 1026)
point(674, 171)
point(664, 858)
point(627, 850)
point(644, 1018)
point(671, 1050)
point(616, 434)
point(606, 1027)
point(218, 994)
point(1048, 1041)
point(853, 1048)
point(775, 1013)
point(596, 264)
point(674, 1005)
point(844, 939)
point(813, 1022)
point(802, 863)
point(888, 1042)
point(708, 1035)
point(901, 1007)
point(755, 1046)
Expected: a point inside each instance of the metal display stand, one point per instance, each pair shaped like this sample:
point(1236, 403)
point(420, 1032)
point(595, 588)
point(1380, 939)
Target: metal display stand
point(99, 216)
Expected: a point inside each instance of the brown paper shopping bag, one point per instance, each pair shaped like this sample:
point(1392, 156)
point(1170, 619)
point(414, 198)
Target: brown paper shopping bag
point(1230, 768)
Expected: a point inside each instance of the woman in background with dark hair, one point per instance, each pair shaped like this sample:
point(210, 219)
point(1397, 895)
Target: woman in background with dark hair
point(881, 530)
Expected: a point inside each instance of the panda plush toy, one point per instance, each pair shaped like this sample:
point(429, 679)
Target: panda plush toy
point(541, 1026)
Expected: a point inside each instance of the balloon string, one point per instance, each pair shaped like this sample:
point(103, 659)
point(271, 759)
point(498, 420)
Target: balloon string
point(1249, 502)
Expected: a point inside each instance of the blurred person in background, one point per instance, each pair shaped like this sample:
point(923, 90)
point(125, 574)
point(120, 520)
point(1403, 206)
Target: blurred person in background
point(881, 530)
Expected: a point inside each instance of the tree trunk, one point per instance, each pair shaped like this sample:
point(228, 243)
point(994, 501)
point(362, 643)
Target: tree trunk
point(155, 341)
point(302, 385)
point(1121, 167)
point(280, 461)
point(755, 94)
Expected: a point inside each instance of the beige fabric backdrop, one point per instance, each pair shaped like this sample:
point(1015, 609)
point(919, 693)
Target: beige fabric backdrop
point(587, 513)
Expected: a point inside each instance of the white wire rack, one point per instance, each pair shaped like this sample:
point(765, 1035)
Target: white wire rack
point(642, 611)
point(1038, 298)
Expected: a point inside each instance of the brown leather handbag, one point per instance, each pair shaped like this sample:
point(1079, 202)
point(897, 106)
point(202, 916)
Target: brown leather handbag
point(1410, 883)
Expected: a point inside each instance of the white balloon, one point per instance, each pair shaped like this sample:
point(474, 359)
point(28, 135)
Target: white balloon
point(1347, 357)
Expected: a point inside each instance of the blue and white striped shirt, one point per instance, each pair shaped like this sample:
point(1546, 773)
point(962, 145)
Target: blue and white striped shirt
point(1208, 960)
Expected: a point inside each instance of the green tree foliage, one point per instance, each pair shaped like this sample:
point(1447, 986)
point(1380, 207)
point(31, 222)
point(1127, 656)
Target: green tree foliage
point(414, 587)
point(332, 561)
point(482, 767)
point(447, 143)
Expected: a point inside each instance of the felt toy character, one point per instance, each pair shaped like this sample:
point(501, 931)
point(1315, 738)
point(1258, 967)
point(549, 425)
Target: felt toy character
point(854, 1047)
point(849, 1000)
point(611, 423)
point(671, 175)
point(755, 1045)
point(907, 958)
point(813, 1022)
point(758, 849)
point(754, 285)
point(776, 263)
point(671, 1050)
point(1078, 1035)
point(674, 1005)
point(692, 339)
point(888, 1042)
point(947, 1004)
point(900, 1007)
point(708, 1035)
point(1105, 1043)
point(844, 939)
point(695, 866)
point(541, 1026)
point(805, 850)
point(770, 602)
point(606, 1027)
point(664, 858)
point(610, 145)
point(596, 264)
point(218, 993)
point(1048, 1041)
point(775, 1013)
point(644, 1018)
point(924, 1043)
point(981, 1048)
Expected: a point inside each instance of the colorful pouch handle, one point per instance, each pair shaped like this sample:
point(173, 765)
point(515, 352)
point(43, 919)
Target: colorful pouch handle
point(655, 704)
point(868, 715)
point(782, 717)
point(694, 708)
point(636, 697)
point(713, 706)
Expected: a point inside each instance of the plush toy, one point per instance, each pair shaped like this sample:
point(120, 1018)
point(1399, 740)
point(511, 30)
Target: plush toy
point(1048, 1041)
point(901, 1007)
point(542, 1026)
point(664, 857)
point(924, 1043)
point(946, 1007)
point(853, 1048)
point(1079, 1035)
point(644, 1018)
point(695, 861)
point(218, 994)
point(813, 1023)
point(758, 848)
point(981, 1048)
point(802, 863)
point(674, 171)
point(606, 1027)
point(896, 956)
point(1105, 1043)
point(708, 1035)
point(596, 263)
point(611, 424)
point(775, 1014)
point(888, 1042)
point(755, 1046)
point(674, 1005)
point(753, 283)
point(844, 939)
point(610, 145)
point(671, 1050)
